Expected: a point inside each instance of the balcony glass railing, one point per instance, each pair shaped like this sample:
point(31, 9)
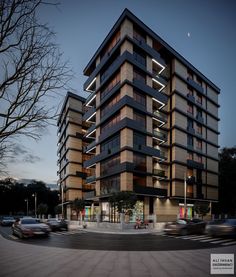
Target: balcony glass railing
point(160, 115)
point(160, 135)
point(159, 173)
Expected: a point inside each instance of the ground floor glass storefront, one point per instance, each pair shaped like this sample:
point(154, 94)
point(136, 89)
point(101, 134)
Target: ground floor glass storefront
point(109, 213)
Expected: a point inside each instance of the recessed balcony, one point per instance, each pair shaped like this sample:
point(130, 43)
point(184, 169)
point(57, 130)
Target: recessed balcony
point(159, 174)
point(91, 100)
point(159, 137)
point(91, 132)
point(91, 179)
point(90, 115)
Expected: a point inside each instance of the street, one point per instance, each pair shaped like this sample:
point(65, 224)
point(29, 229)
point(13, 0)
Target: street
point(88, 240)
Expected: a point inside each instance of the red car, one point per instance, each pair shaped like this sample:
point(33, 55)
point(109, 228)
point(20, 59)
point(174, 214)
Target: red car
point(30, 227)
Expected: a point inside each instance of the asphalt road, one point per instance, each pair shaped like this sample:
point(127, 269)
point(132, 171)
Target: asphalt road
point(80, 239)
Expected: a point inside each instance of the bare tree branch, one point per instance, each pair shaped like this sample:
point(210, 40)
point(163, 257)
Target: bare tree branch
point(31, 70)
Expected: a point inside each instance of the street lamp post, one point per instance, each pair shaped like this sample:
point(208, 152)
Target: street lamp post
point(35, 203)
point(185, 195)
point(62, 201)
point(27, 206)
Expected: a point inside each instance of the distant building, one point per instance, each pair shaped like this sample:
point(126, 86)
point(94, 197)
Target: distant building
point(52, 186)
point(149, 124)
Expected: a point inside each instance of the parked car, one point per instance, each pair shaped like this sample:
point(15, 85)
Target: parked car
point(30, 227)
point(7, 220)
point(185, 226)
point(57, 224)
point(221, 227)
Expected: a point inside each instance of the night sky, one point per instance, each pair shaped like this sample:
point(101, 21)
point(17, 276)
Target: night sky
point(202, 31)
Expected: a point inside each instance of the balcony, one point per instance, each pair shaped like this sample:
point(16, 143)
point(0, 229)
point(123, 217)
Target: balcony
point(90, 115)
point(160, 115)
point(89, 194)
point(149, 191)
point(194, 164)
point(200, 118)
point(195, 85)
point(90, 147)
point(191, 130)
point(160, 137)
point(191, 98)
point(155, 94)
point(91, 132)
point(91, 100)
point(159, 174)
point(90, 179)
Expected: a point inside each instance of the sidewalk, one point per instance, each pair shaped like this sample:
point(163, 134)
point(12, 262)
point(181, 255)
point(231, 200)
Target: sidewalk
point(99, 228)
point(22, 260)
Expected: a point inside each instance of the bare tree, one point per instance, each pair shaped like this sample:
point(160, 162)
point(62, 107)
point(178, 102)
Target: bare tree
point(31, 70)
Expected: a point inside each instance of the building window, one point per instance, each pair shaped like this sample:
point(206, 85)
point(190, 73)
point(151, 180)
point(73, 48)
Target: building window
point(140, 119)
point(107, 106)
point(106, 71)
point(199, 81)
point(139, 180)
point(139, 35)
point(111, 144)
point(140, 76)
point(199, 113)
point(190, 91)
point(199, 98)
point(139, 97)
point(190, 74)
point(199, 158)
point(190, 155)
point(139, 56)
point(111, 85)
point(107, 165)
point(114, 120)
point(190, 140)
point(199, 144)
point(112, 43)
point(190, 108)
point(139, 139)
point(199, 129)
point(110, 185)
point(190, 123)
point(139, 162)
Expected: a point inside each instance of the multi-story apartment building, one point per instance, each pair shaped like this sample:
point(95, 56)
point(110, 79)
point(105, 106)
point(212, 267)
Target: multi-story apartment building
point(70, 145)
point(153, 123)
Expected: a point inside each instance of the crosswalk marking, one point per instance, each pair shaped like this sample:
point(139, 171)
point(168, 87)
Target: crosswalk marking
point(224, 240)
point(229, 243)
point(190, 237)
point(202, 238)
point(209, 240)
point(205, 238)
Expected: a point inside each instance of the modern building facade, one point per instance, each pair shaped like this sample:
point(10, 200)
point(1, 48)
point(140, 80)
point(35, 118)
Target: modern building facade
point(151, 124)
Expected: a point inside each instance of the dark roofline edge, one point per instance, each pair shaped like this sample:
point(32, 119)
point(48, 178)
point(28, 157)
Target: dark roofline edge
point(127, 13)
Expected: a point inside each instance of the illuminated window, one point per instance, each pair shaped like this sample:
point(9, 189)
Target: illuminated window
point(199, 98)
point(190, 156)
point(199, 129)
point(199, 144)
